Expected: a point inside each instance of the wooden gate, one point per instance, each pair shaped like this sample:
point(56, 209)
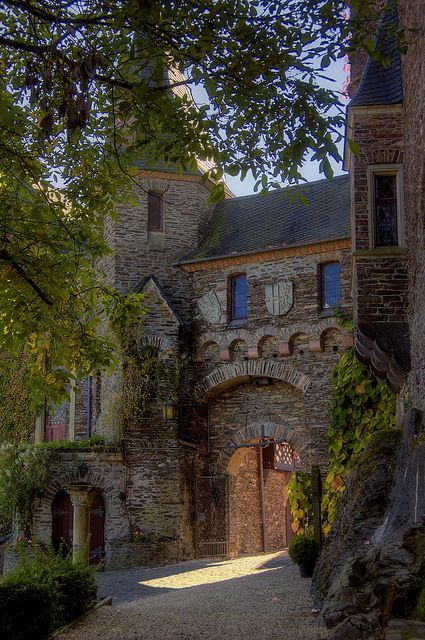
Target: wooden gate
point(62, 526)
point(212, 516)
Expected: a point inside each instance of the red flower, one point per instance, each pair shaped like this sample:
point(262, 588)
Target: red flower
point(29, 542)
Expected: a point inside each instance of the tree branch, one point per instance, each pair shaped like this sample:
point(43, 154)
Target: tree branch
point(6, 257)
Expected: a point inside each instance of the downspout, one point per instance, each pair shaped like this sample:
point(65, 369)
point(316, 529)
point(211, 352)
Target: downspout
point(88, 407)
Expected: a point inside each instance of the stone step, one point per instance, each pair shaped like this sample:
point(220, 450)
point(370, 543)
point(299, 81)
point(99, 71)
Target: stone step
point(399, 629)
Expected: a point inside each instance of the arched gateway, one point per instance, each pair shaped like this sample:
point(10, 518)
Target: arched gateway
point(258, 439)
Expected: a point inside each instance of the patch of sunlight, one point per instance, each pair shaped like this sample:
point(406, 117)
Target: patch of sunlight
point(218, 572)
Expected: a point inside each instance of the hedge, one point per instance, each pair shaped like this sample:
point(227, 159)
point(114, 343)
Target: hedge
point(43, 594)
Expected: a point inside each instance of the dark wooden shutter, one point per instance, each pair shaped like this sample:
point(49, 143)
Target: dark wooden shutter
point(154, 211)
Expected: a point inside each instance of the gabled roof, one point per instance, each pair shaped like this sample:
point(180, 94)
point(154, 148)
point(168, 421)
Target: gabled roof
point(260, 223)
point(381, 85)
point(150, 283)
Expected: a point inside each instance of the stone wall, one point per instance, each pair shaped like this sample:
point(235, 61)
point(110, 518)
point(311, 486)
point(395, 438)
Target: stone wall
point(186, 213)
point(105, 471)
point(246, 531)
point(380, 274)
point(413, 67)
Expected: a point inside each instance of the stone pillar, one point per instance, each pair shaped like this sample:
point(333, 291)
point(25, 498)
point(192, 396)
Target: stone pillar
point(81, 497)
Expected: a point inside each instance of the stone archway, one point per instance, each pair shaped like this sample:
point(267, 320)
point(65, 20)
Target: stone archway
point(228, 375)
point(255, 432)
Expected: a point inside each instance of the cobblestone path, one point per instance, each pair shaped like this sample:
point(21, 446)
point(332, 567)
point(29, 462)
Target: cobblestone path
point(250, 598)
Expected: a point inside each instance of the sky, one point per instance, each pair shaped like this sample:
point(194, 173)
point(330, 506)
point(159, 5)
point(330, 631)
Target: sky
point(310, 169)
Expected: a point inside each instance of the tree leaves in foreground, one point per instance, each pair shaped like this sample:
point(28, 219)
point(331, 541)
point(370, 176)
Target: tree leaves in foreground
point(93, 89)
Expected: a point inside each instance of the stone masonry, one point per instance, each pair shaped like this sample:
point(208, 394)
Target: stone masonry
point(266, 377)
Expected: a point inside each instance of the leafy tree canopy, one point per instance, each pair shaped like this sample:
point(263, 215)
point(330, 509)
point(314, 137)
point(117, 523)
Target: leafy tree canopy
point(86, 95)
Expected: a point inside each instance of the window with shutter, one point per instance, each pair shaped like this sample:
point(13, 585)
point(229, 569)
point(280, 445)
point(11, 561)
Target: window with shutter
point(155, 217)
point(238, 297)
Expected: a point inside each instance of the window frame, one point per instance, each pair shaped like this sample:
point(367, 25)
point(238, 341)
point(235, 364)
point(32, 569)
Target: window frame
point(385, 170)
point(322, 307)
point(231, 297)
point(158, 195)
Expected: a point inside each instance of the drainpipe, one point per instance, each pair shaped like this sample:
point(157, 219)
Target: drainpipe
point(263, 512)
point(88, 407)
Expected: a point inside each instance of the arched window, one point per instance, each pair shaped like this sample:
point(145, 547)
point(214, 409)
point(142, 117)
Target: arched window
point(330, 285)
point(155, 211)
point(238, 289)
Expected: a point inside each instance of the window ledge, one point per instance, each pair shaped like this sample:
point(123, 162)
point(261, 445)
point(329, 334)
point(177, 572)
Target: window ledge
point(327, 313)
point(237, 323)
point(382, 251)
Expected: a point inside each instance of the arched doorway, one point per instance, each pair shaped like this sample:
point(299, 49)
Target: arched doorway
point(259, 516)
point(62, 525)
point(62, 522)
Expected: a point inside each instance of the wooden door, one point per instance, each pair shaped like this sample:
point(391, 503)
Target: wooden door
point(62, 522)
point(97, 529)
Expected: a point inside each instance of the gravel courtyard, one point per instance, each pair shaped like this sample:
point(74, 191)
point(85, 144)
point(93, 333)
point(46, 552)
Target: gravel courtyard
point(250, 598)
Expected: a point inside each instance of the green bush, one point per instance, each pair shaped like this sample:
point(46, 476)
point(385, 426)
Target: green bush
point(44, 594)
point(26, 608)
point(303, 550)
point(420, 603)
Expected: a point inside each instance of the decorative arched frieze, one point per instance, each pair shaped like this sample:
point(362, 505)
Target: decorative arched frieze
point(312, 330)
point(257, 431)
point(226, 375)
point(156, 341)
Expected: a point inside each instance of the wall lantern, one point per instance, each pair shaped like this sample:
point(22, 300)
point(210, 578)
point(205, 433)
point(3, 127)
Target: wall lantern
point(170, 410)
point(83, 468)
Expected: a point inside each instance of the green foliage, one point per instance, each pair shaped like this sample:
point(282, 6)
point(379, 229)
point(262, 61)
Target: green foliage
point(419, 612)
point(17, 406)
point(95, 442)
point(303, 550)
point(299, 493)
point(44, 593)
point(24, 469)
point(71, 72)
point(26, 608)
point(148, 537)
point(361, 405)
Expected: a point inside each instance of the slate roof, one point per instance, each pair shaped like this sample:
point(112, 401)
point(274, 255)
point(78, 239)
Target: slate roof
point(381, 85)
point(385, 347)
point(259, 223)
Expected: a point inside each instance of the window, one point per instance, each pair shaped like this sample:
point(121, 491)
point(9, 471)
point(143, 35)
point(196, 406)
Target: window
point(385, 206)
point(56, 422)
point(238, 297)
point(330, 288)
point(155, 217)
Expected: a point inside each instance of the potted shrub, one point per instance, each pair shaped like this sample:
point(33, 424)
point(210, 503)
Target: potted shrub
point(304, 552)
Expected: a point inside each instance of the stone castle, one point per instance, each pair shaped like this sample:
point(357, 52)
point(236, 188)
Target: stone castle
point(247, 290)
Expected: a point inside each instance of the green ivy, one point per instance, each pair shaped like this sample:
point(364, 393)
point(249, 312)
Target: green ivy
point(299, 493)
point(24, 470)
point(361, 404)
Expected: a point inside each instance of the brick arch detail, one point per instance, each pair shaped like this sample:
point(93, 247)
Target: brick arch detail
point(155, 341)
point(253, 338)
point(92, 479)
point(256, 431)
point(226, 373)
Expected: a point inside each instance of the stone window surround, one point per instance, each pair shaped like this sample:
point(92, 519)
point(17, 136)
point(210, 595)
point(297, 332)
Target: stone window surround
point(385, 169)
point(235, 321)
point(325, 312)
point(155, 228)
point(40, 423)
